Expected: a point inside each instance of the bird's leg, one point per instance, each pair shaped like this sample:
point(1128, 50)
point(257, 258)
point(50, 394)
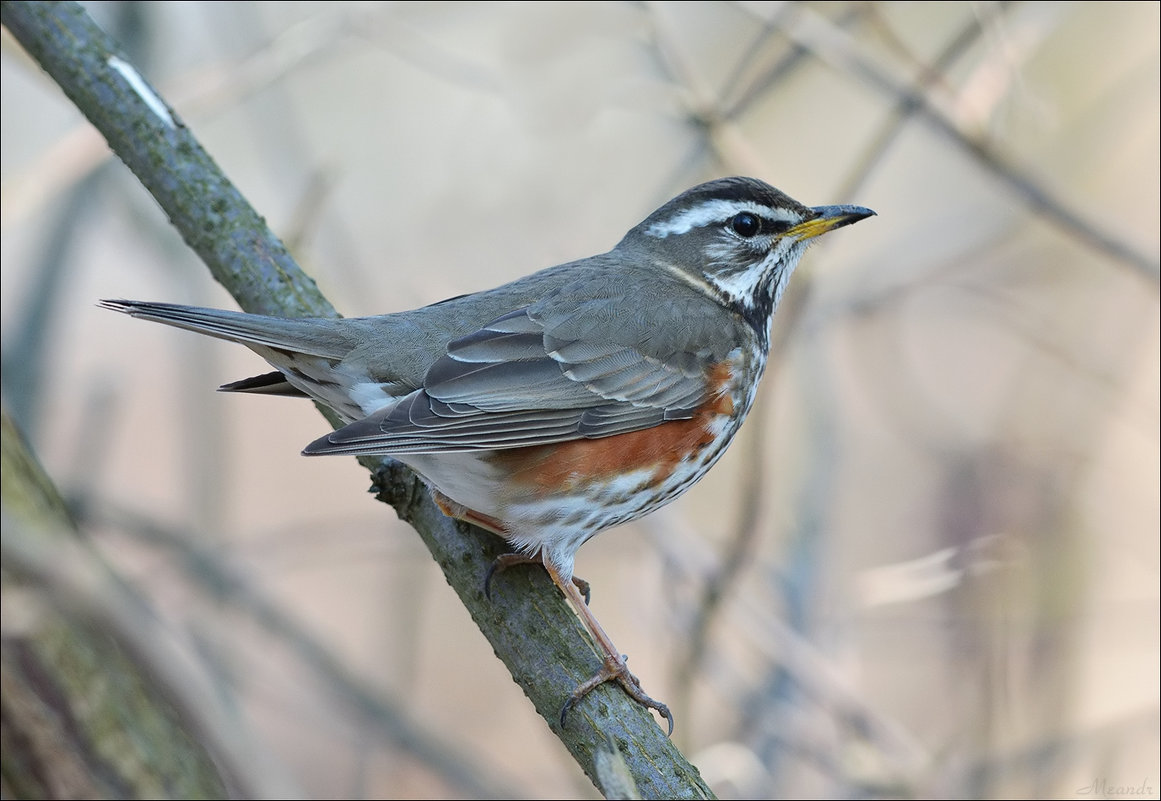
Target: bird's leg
point(614, 667)
point(458, 511)
point(505, 561)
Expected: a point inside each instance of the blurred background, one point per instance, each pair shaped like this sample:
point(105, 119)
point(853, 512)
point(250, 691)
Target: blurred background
point(928, 566)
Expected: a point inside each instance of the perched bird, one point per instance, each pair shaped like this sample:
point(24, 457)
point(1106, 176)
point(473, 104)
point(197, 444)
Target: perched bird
point(566, 402)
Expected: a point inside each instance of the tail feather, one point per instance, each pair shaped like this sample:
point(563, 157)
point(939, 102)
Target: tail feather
point(296, 335)
point(266, 384)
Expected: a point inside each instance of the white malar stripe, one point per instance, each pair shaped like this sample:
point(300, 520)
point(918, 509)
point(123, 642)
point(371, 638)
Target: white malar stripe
point(713, 211)
point(739, 285)
point(138, 84)
point(792, 255)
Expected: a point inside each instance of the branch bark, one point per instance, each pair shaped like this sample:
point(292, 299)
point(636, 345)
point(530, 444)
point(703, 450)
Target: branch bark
point(88, 704)
point(529, 624)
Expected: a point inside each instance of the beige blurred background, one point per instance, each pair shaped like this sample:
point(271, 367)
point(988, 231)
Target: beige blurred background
point(934, 547)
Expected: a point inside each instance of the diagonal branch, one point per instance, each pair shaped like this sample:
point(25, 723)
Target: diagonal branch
point(528, 623)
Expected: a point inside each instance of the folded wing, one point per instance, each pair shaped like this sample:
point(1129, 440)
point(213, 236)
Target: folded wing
point(526, 379)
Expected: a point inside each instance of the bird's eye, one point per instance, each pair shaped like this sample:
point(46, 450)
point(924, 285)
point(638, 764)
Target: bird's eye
point(745, 224)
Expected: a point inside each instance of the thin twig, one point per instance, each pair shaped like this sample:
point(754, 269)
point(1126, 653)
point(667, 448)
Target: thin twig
point(836, 47)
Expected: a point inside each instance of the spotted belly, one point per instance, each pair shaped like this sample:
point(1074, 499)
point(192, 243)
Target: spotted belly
point(550, 499)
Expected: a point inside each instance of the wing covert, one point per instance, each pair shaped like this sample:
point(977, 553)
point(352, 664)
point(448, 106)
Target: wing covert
point(523, 380)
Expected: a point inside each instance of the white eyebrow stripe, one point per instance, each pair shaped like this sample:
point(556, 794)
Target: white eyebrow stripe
point(712, 211)
point(138, 84)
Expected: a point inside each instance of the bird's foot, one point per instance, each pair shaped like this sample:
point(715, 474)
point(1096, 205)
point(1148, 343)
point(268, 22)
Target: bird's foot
point(615, 668)
point(505, 561)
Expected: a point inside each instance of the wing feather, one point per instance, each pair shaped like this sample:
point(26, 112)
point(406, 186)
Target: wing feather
point(539, 376)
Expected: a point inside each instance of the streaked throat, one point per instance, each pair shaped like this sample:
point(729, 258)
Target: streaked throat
point(755, 291)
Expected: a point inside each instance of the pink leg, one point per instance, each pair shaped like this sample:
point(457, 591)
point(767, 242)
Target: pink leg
point(613, 668)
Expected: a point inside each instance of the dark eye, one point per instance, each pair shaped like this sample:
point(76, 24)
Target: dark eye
point(745, 224)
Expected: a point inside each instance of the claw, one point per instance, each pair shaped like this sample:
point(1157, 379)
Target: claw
point(493, 569)
point(616, 669)
point(502, 563)
point(507, 560)
point(584, 588)
point(614, 666)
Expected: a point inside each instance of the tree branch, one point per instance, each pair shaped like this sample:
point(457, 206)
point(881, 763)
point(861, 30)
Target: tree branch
point(89, 680)
point(528, 622)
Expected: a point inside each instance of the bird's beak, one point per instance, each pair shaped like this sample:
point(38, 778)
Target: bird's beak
point(828, 218)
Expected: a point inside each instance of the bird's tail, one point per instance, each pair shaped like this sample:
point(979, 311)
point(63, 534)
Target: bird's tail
point(298, 335)
point(279, 340)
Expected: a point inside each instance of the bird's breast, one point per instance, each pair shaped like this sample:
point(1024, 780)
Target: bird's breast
point(554, 497)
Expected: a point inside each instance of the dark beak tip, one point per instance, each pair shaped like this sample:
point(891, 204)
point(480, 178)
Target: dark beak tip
point(844, 214)
point(855, 212)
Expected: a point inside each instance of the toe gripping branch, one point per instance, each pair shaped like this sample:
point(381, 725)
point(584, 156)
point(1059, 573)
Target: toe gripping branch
point(614, 667)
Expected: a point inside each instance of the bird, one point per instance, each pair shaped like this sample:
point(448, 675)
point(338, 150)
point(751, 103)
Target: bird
point(564, 403)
